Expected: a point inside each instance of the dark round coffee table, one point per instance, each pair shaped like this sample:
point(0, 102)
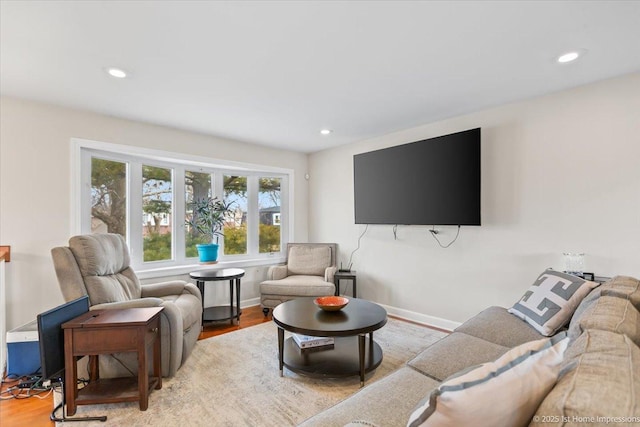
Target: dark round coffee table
point(351, 355)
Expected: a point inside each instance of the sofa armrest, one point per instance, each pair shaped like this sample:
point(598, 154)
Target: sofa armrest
point(277, 272)
point(133, 303)
point(173, 287)
point(329, 272)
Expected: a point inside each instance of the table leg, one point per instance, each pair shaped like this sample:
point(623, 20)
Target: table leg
point(361, 346)
point(94, 368)
point(70, 374)
point(281, 350)
point(231, 301)
point(355, 292)
point(238, 297)
point(337, 283)
point(200, 285)
point(157, 361)
point(143, 375)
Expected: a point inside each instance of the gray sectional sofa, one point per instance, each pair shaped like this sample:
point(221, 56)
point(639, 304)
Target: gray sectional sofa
point(603, 350)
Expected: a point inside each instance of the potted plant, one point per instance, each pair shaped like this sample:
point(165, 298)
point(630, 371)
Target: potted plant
point(207, 219)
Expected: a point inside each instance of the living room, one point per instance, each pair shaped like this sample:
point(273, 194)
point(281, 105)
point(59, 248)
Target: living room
point(559, 164)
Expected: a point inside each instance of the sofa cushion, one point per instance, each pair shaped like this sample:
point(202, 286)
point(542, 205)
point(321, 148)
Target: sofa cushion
point(518, 380)
point(550, 302)
point(611, 314)
point(309, 260)
point(311, 286)
point(454, 353)
point(599, 378)
point(624, 287)
point(583, 308)
point(387, 402)
point(496, 325)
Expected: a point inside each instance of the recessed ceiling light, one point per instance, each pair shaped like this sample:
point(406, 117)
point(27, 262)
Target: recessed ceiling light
point(568, 57)
point(326, 131)
point(116, 72)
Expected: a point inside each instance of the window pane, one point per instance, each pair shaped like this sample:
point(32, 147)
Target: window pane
point(269, 210)
point(235, 229)
point(108, 196)
point(157, 195)
point(197, 186)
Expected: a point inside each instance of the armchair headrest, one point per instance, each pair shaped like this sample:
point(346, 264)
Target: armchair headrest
point(100, 254)
point(310, 258)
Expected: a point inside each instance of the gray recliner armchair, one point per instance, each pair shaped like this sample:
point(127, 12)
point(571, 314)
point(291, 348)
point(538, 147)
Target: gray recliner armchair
point(308, 273)
point(98, 265)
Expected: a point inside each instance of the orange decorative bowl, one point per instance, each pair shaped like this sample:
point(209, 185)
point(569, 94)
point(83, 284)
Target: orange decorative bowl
point(331, 303)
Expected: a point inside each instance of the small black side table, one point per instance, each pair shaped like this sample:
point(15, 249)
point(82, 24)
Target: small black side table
point(345, 275)
point(213, 314)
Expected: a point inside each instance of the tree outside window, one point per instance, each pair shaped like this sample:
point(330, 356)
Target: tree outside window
point(197, 186)
point(108, 196)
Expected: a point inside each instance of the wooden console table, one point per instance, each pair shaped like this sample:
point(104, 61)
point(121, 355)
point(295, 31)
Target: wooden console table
point(112, 331)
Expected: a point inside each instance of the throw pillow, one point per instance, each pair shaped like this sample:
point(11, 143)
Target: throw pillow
point(550, 302)
point(519, 380)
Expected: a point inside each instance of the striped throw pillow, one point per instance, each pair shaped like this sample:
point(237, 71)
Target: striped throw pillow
point(518, 380)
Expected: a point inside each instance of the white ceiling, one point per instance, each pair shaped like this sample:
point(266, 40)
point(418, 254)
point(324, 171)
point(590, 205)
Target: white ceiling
point(275, 73)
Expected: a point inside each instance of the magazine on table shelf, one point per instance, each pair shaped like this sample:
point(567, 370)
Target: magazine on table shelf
point(307, 341)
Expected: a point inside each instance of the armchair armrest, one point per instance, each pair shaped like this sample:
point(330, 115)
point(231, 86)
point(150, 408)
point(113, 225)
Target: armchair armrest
point(277, 272)
point(329, 272)
point(133, 303)
point(173, 287)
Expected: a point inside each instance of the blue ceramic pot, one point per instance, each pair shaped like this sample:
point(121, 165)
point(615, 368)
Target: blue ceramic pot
point(208, 253)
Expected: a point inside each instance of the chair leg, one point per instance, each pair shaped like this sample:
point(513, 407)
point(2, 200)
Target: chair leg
point(265, 310)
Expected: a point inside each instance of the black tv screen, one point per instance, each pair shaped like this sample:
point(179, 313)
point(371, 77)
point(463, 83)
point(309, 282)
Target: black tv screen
point(51, 335)
point(430, 182)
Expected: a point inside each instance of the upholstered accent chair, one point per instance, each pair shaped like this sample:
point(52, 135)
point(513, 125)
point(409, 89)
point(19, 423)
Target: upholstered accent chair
point(308, 272)
point(97, 265)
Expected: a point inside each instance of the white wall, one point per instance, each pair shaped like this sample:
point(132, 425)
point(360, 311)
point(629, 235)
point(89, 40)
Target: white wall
point(35, 188)
point(559, 173)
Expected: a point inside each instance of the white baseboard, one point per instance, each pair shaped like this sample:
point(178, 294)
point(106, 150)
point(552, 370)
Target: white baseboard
point(250, 302)
point(423, 319)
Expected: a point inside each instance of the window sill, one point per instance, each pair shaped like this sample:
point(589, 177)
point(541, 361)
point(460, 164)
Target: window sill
point(186, 269)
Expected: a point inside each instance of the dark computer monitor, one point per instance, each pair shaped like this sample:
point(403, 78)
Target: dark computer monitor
point(51, 335)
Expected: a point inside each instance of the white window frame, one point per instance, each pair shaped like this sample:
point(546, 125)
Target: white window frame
point(83, 150)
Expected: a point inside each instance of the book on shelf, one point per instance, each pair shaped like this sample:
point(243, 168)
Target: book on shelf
point(308, 341)
point(308, 350)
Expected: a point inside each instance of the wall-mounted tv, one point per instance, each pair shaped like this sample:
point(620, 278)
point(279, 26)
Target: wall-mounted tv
point(435, 181)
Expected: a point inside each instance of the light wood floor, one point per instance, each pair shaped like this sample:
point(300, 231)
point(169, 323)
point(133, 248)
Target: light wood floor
point(34, 412)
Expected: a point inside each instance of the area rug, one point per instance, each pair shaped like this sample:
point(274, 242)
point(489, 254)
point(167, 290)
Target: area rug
point(233, 380)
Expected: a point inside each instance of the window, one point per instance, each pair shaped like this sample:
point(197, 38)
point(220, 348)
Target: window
point(144, 195)
point(269, 210)
point(236, 230)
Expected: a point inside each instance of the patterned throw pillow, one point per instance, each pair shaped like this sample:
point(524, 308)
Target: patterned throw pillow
point(519, 380)
point(550, 302)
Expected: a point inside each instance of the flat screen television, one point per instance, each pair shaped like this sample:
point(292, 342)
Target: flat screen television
point(435, 181)
point(51, 335)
